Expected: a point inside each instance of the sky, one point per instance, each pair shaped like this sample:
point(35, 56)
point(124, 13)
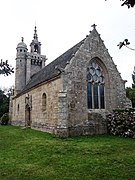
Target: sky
point(63, 23)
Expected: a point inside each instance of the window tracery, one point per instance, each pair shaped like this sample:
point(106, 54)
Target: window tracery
point(95, 86)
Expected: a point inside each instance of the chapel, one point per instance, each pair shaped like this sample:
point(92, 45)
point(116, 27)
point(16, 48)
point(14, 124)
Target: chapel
point(70, 96)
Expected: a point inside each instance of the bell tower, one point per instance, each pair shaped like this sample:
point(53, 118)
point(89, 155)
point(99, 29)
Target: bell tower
point(20, 73)
point(35, 44)
point(28, 63)
point(35, 61)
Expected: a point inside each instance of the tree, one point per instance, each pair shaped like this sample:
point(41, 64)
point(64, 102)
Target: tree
point(4, 103)
point(5, 68)
point(133, 78)
point(130, 92)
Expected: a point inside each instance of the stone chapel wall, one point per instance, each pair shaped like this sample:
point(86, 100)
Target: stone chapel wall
point(80, 120)
point(45, 119)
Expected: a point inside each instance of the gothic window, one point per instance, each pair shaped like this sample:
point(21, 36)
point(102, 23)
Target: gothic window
point(95, 86)
point(44, 102)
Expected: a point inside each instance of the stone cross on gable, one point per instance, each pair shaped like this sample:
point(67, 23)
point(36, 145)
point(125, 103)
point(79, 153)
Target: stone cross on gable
point(94, 26)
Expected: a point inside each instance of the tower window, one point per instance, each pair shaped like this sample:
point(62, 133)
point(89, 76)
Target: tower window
point(24, 50)
point(20, 50)
point(36, 48)
point(95, 86)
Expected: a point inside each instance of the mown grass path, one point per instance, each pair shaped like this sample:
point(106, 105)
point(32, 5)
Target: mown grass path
point(30, 154)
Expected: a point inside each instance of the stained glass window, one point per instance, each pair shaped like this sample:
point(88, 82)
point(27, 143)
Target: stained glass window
point(95, 86)
point(102, 105)
point(89, 95)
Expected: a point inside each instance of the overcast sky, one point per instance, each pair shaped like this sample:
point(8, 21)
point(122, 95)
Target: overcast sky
point(63, 23)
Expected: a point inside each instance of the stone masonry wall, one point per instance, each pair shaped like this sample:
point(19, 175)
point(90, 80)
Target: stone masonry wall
point(46, 120)
point(80, 119)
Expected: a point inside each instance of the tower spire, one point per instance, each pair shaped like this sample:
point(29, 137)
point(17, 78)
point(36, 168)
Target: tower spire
point(35, 33)
point(35, 44)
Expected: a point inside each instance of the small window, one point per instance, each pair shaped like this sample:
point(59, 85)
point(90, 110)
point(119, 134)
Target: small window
point(20, 50)
point(35, 48)
point(18, 108)
point(44, 102)
point(24, 50)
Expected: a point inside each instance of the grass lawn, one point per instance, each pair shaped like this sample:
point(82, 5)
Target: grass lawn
point(29, 154)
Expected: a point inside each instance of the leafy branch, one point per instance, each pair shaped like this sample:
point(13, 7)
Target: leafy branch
point(5, 68)
point(125, 43)
point(128, 3)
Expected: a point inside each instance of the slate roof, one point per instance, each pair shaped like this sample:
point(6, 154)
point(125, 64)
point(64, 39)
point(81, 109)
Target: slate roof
point(49, 72)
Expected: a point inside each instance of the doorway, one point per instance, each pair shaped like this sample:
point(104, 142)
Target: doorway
point(27, 116)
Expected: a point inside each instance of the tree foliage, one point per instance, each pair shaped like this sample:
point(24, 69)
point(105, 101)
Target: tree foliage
point(5, 68)
point(128, 3)
point(4, 102)
point(133, 78)
point(4, 119)
point(125, 43)
point(130, 92)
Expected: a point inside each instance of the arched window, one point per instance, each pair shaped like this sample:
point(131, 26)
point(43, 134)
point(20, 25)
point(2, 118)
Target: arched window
point(95, 86)
point(44, 102)
point(35, 48)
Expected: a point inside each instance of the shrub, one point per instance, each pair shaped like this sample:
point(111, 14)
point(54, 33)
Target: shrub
point(4, 119)
point(122, 123)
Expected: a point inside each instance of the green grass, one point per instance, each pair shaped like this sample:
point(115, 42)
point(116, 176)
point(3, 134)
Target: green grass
point(29, 154)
